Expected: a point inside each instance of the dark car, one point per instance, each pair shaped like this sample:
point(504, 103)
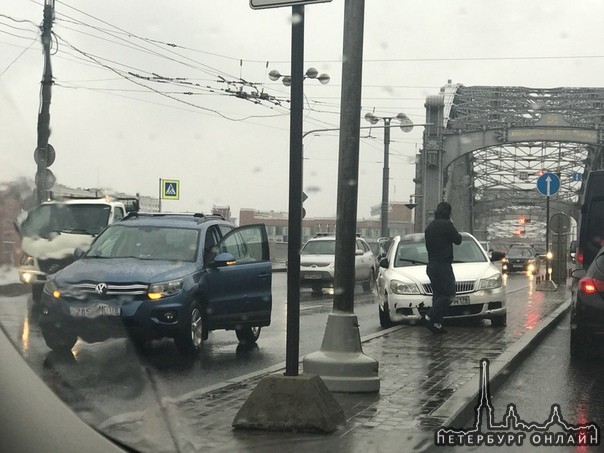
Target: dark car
point(161, 275)
point(519, 259)
point(591, 223)
point(587, 309)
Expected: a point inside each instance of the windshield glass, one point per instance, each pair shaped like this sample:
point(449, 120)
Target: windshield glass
point(520, 252)
point(149, 243)
point(413, 253)
point(322, 247)
point(66, 218)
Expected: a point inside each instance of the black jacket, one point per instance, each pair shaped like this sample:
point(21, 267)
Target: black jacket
point(441, 234)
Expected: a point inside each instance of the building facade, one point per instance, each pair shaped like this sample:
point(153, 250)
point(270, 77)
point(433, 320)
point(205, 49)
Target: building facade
point(399, 223)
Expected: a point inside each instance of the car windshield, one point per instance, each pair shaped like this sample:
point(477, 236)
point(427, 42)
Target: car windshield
point(149, 243)
point(413, 252)
point(66, 218)
point(321, 247)
point(520, 252)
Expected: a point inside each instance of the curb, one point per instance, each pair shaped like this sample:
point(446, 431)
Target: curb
point(459, 407)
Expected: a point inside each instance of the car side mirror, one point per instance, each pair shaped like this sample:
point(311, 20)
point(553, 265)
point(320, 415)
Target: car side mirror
point(578, 273)
point(573, 247)
point(359, 252)
point(78, 253)
point(223, 260)
point(497, 256)
point(384, 263)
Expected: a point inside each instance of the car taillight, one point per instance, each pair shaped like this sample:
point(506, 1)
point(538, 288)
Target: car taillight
point(588, 285)
point(580, 256)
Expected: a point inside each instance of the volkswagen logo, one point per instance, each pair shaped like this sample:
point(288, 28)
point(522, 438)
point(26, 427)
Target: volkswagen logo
point(101, 289)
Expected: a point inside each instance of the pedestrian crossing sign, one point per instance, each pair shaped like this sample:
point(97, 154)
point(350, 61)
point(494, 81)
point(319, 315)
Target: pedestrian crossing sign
point(170, 189)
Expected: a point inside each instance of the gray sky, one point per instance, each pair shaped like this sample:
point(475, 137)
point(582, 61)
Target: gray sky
point(114, 127)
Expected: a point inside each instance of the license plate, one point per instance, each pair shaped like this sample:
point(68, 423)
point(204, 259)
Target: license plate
point(461, 300)
point(94, 311)
point(312, 277)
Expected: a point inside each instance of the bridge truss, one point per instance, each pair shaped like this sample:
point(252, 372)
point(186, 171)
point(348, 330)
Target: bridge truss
point(489, 145)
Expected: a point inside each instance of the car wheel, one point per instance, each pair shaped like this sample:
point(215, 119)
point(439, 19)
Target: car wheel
point(385, 320)
point(248, 335)
point(499, 321)
point(369, 284)
point(190, 340)
point(580, 344)
point(57, 340)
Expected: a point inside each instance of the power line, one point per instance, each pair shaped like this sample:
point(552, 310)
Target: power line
point(19, 56)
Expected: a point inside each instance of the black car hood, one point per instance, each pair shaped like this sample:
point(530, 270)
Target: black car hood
point(123, 270)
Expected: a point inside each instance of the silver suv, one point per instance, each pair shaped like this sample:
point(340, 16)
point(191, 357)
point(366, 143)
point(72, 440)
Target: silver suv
point(317, 264)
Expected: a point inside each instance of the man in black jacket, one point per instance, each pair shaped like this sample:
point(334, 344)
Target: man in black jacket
point(441, 234)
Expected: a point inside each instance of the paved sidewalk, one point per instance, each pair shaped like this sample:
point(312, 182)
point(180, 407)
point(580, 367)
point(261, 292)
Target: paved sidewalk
point(422, 388)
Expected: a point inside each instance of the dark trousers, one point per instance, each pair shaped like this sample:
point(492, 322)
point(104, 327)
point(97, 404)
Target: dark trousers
point(443, 289)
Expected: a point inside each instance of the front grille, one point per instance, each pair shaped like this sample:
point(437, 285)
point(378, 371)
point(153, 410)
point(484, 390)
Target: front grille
point(314, 265)
point(456, 310)
point(50, 266)
point(460, 287)
point(87, 290)
point(113, 289)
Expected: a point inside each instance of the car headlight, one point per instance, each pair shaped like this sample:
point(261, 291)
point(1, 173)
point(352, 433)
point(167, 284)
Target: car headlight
point(160, 290)
point(491, 282)
point(51, 288)
point(398, 287)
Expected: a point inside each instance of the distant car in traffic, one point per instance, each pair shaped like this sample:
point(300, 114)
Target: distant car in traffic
point(587, 309)
point(317, 263)
point(519, 258)
point(161, 275)
point(405, 292)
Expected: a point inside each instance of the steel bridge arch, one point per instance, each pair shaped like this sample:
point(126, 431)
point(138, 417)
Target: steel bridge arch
point(486, 145)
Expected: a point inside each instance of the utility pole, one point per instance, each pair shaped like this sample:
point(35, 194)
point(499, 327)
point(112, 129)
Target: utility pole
point(341, 363)
point(44, 154)
point(385, 180)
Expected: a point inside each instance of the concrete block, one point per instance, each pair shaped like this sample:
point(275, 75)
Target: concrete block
point(291, 403)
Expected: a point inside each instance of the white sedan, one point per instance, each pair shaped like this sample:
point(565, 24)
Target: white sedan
point(405, 293)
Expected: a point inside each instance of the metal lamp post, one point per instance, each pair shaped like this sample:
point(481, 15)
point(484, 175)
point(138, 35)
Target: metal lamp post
point(295, 191)
point(406, 126)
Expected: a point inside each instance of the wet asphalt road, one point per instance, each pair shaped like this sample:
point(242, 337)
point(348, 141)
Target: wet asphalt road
point(550, 376)
point(103, 379)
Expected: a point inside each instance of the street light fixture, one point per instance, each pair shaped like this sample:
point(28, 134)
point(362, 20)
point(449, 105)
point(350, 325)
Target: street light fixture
point(311, 73)
point(406, 126)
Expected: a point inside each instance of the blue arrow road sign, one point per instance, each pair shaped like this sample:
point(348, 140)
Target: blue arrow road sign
point(548, 184)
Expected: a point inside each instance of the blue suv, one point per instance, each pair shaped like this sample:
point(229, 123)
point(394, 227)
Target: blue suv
point(155, 275)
